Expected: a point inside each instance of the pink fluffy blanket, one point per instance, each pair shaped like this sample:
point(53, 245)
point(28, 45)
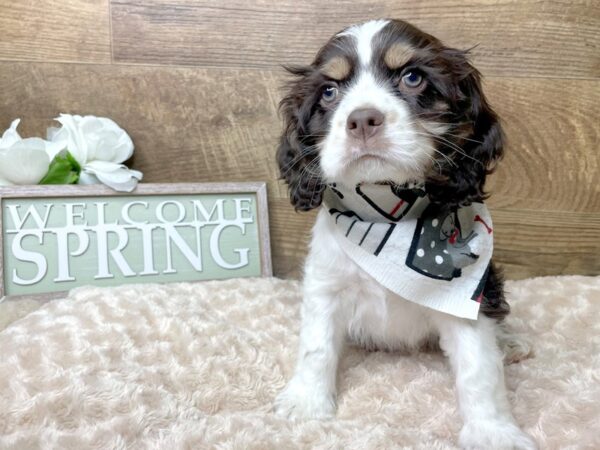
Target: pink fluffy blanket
point(198, 366)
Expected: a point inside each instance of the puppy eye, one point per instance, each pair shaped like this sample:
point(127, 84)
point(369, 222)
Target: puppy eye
point(412, 79)
point(329, 93)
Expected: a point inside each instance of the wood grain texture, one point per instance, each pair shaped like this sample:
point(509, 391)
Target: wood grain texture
point(220, 124)
point(515, 37)
point(552, 160)
point(55, 30)
point(191, 124)
point(532, 243)
point(290, 235)
point(187, 124)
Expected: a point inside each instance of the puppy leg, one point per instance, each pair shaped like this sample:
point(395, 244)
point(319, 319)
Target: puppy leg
point(311, 393)
point(477, 362)
point(516, 347)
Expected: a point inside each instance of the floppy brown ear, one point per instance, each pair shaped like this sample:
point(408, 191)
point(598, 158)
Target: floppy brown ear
point(462, 180)
point(296, 155)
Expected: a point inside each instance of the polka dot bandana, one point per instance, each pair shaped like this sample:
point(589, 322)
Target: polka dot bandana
point(426, 254)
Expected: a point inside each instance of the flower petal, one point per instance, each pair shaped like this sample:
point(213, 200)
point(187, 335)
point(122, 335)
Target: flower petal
point(25, 162)
point(4, 182)
point(51, 133)
point(54, 148)
point(88, 178)
point(112, 143)
point(114, 180)
point(72, 137)
point(123, 149)
point(116, 176)
point(10, 136)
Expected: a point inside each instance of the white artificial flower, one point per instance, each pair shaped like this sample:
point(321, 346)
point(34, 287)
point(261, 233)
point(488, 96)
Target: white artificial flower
point(101, 147)
point(23, 161)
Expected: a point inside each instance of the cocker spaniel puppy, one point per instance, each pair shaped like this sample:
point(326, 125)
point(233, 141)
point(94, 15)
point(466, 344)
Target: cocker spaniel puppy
point(389, 133)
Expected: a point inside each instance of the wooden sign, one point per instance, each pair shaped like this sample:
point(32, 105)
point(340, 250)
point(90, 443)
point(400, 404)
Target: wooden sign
point(55, 238)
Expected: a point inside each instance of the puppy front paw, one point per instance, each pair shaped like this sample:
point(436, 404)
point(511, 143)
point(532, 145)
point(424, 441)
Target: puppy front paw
point(515, 346)
point(496, 435)
point(302, 401)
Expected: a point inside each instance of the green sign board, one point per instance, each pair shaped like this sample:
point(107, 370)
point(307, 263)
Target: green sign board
point(55, 238)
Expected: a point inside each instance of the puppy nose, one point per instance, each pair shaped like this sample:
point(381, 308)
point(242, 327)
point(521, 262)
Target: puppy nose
point(364, 123)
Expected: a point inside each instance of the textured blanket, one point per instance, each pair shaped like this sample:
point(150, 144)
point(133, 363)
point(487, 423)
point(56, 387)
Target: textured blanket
point(198, 366)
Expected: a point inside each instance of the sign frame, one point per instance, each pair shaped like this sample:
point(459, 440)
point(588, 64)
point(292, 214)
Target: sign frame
point(144, 190)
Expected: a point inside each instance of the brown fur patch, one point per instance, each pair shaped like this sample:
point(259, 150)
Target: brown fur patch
point(398, 55)
point(337, 68)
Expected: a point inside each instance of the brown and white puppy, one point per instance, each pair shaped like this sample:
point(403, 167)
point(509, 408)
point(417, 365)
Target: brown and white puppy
point(384, 101)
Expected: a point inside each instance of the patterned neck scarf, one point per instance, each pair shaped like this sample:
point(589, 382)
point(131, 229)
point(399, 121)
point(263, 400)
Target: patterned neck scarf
point(430, 256)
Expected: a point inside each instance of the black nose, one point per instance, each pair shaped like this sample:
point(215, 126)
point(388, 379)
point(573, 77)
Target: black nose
point(364, 123)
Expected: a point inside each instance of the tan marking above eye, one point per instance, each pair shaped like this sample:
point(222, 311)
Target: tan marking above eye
point(398, 55)
point(337, 68)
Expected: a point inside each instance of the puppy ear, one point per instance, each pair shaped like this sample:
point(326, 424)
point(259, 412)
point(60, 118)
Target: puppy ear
point(296, 158)
point(477, 143)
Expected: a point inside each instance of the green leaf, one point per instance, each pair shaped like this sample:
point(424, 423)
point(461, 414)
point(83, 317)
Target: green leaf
point(64, 169)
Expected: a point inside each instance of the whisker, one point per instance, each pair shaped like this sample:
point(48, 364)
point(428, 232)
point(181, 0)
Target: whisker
point(455, 148)
point(450, 144)
point(314, 135)
point(304, 153)
point(312, 175)
point(464, 138)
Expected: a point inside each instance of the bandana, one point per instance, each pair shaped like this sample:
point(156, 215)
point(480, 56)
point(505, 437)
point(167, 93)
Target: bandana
point(435, 257)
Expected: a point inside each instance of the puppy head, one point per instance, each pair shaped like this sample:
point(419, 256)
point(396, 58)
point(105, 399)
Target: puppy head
point(384, 101)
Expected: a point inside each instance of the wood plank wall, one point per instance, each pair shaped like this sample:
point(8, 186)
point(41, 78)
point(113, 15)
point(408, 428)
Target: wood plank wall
point(196, 84)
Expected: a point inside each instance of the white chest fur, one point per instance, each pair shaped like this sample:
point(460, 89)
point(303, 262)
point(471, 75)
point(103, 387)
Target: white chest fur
point(373, 316)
